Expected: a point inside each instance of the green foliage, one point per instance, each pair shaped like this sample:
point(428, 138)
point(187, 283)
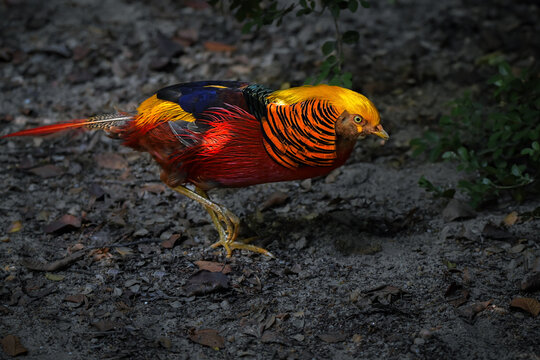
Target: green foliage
point(497, 142)
point(437, 191)
point(255, 14)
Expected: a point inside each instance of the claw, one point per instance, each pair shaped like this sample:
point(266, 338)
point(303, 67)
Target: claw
point(230, 246)
point(224, 220)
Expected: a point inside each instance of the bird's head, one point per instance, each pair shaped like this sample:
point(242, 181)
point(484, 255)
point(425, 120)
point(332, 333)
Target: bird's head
point(358, 116)
point(357, 125)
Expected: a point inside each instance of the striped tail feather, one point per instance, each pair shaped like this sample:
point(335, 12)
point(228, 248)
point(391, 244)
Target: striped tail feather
point(100, 122)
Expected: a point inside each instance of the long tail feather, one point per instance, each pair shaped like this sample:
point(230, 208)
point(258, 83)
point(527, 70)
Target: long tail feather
point(99, 122)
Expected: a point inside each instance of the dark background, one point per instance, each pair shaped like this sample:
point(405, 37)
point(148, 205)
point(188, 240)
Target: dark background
point(367, 266)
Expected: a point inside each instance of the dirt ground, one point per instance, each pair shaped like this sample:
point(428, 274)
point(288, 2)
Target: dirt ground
point(101, 261)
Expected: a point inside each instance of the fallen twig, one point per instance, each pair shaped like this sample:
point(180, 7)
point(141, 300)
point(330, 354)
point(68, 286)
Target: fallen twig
point(36, 265)
point(146, 241)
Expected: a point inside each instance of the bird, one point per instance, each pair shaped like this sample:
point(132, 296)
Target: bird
point(233, 134)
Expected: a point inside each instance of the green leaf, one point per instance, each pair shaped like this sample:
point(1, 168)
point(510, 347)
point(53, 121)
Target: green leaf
point(463, 153)
point(328, 47)
point(426, 184)
point(450, 265)
point(346, 80)
point(365, 4)
point(516, 171)
point(246, 28)
point(449, 155)
point(353, 5)
point(446, 121)
point(335, 80)
point(351, 37)
point(504, 69)
point(330, 60)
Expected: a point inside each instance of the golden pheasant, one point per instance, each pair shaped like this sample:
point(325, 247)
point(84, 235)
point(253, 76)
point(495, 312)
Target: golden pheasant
point(234, 134)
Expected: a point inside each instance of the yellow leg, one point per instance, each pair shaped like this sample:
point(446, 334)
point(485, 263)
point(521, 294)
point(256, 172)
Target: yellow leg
point(226, 222)
point(215, 219)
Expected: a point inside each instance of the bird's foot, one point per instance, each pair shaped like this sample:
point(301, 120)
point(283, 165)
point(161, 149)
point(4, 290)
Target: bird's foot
point(227, 225)
point(225, 221)
point(231, 245)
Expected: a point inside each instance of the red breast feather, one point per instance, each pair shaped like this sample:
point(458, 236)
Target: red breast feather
point(231, 153)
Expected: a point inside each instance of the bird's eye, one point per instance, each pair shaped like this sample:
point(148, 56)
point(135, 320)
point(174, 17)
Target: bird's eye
point(358, 119)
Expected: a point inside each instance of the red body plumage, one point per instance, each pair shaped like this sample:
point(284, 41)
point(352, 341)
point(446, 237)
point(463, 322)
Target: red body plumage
point(230, 153)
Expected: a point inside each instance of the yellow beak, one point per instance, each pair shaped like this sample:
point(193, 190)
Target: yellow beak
point(379, 131)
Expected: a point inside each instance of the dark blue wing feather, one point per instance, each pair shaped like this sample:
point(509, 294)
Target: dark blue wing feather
point(196, 97)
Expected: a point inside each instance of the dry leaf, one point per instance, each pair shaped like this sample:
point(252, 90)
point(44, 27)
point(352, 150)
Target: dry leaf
point(167, 47)
point(452, 288)
point(531, 283)
point(12, 346)
point(273, 337)
point(494, 232)
point(213, 266)
point(77, 298)
point(384, 294)
point(80, 52)
point(186, 36)
point(276, 199)
point(75, 191)
point(65, 224)
point(100, 254)
point(516, 249)
point(466, 276)
point(511, 218)
point(469, 312)
point(117, 219)
point(47, 171)
point(530, 305)
point(218, 46)
point(105, 325)
point(96, 191)
point(14, 227)
point(111, 161)
point(205, 282)
point(333, 337)
point(54, 277)
point(74, 248)
point(357, 338)
point(461, 299)
point(155, 188)
point(457, 210)
point(124, 251)
point(297, 337)
point(171, 241)
point(207, 337)
point(165, 342)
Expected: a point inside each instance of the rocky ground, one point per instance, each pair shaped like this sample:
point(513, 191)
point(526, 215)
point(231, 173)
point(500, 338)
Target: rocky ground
point(101, 261)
